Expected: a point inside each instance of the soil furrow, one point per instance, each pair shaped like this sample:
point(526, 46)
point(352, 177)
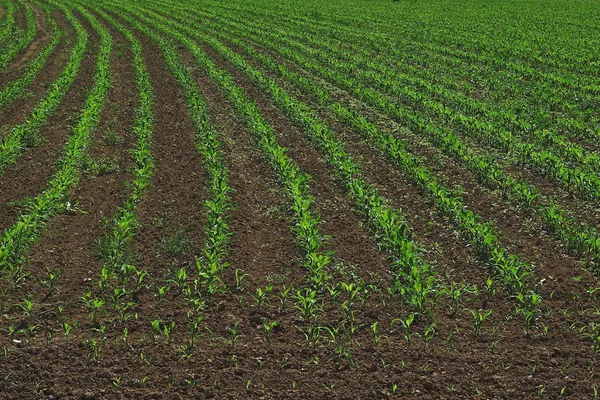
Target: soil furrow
point(27, 177)
point(70, 244)
point(41, 37)
point(349, 239)
point(263, 244)
point(20, 108)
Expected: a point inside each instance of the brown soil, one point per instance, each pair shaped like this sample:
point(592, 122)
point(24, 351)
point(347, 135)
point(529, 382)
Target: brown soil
point(501, 361)
point(18, 110)
point(41, 38)
point(28, 176)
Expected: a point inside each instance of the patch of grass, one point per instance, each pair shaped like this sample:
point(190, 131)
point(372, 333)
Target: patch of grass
point(111, 138)
point(177, 243)
point(102, 166)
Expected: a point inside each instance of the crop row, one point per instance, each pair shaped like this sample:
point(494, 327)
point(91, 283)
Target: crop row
point(17, 239)
point(11, 90)
point(27, 134)
point(578, 179)
point(8, 23)
point(437, 69)
point(123, 227)
point(21, 38)
point(414, 279)
point(580, 239)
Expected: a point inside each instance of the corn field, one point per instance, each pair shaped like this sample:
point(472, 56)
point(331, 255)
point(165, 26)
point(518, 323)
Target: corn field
point(313, 200)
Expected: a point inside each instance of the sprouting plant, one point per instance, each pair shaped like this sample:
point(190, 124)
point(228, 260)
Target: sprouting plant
point(406, 324)
point(340, 346)
point(67, 328)
point(140, 275)
point(540, 391)
point(234, 333)
point(161, 292)
point(376, 333)
point(146, 359)
point(156, 329)
point(456, 291)
point(116, 382)
point(168, 328)
point(93, 304)
point(239, 280)
point(594, 335)
point(268, 327)
point(262, 296)
point(428, 334)
point(180, 279)
point(126, 336)
point(143, 382)
point(50, 281)
point(311, 334)
point(307, 303)
point(194, 327)
point(27, 305)
point(494, 344)
point(284, 294)
point(94, 356)
point(479, 317)
point(18, 276)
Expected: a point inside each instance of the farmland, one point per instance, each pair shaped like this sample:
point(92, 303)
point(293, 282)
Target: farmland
point(262, 199)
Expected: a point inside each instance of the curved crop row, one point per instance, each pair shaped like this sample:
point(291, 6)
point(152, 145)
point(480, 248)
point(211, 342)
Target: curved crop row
point(433, 66)
point(581, 240)
point(124, 224)
point(581, 180)
point(27, 134)
point(480, 235)
point(17, 239)
point(294, 182)
point(22, 39)
point(387, 225)
point(8, 23)
point(11, 90)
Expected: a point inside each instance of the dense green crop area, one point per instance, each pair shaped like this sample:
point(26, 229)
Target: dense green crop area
point(341, 198)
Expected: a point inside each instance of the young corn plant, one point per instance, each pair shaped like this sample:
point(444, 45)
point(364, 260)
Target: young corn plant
point(50, 281)
point(268, 327)
point(406, 324)
point(234, 333)
point(308, 304)
point(262, 296)
point(479, 317)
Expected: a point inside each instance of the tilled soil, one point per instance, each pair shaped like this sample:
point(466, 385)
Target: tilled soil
point(119, 354)
point(28, 176)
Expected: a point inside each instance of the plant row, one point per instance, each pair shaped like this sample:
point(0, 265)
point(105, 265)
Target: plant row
point(434, 67)
point(22, 39)
point(513, 272)
point(219, 207)
point(414, 276)
point(27, 134)
point(8, 23)
point(123, 227)
point(12, 90)
point(581, 180)
point(296, 184)
point(581, 240)
point(17, 239)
